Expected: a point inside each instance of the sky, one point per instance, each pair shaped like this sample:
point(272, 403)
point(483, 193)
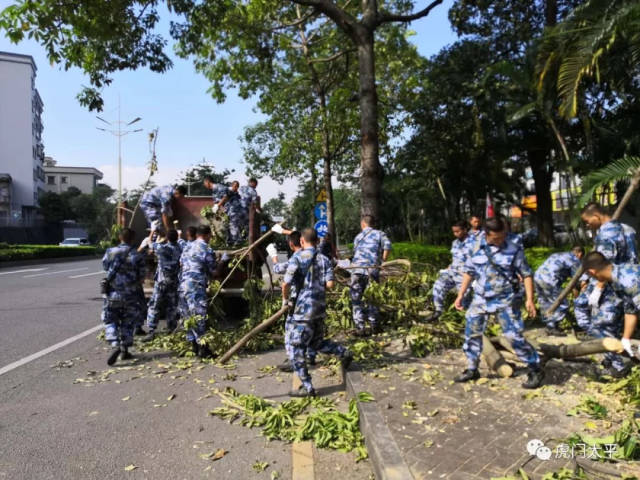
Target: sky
point(192, 126)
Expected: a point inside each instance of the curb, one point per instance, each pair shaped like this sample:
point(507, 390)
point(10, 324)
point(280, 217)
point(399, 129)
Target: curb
point(43, 261)
point(387, 461)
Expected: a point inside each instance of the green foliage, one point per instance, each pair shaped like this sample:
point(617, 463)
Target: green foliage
point(628, 387)
point(589, 406)
point(298, 420)
point(192, 178)
point(621, 169)
point(627, 439)
point(28, 252)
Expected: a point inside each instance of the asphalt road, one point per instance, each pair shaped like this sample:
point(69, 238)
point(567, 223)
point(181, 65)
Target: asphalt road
point(67, 415)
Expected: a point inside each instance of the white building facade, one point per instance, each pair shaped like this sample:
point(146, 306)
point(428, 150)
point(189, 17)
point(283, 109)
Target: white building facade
point(21, 148)
point(59, 179)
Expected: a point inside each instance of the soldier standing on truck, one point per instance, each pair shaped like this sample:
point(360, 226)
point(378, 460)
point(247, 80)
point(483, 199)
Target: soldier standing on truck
point(156, 204)
point(233, 206)
point(218, 190)
point(248, 196)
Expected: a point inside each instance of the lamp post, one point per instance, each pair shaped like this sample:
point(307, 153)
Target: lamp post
point(118, 131)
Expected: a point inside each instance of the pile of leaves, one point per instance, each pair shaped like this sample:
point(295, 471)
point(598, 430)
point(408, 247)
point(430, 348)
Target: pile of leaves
point(628, 387)
point(298, 420)
point(589, 406)
point(626, 438)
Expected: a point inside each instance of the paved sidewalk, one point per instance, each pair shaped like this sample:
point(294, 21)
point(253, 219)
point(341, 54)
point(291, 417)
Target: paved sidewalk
point(475, 431)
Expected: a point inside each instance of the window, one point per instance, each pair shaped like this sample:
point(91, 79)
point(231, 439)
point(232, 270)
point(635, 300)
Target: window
point(51, 180)
point(63, 179)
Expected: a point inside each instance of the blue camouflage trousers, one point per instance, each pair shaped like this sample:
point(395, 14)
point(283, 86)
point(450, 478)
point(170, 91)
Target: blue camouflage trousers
point(510, 320)
point(142, 307)
point(119, 317)
point(361, 311)
point(608, 322)
point(195, 298)
point(288, 326)
point(547, 294)
point(164, 295)
point(236, 229)
point(447, 281)
point(301, 336)
point(151, 212)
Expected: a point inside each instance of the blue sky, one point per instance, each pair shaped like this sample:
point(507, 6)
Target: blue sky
point(192, 126)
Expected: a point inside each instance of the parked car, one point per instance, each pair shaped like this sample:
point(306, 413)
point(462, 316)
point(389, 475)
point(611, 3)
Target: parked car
point(74, 242)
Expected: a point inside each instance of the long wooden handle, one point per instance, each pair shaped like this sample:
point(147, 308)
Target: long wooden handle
point(633, 186)
point(259, 328)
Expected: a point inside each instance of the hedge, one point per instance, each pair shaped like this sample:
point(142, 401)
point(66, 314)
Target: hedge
point(440, 256)
point(28, 252)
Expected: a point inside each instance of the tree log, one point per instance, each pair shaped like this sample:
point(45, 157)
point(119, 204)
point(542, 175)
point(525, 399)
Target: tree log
point(590, 347)
point(494, 359)
point(259, 328)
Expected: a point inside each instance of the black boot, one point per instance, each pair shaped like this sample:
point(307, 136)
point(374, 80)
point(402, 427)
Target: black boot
point(467, 376)
point(346, 359)
point(125, 354)
point(302, 392)
point(139, 331)
point(285, 366)
point(535, 376)
point(195, 347)
point(204, 352)
point(113, 356)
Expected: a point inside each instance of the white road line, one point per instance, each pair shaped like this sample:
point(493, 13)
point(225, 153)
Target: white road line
point(50, 349)
point(56, 272)
point(88, 274)
point(24, 271)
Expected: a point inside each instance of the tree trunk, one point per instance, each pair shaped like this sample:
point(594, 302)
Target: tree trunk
point(371, 175)
point(542, 175)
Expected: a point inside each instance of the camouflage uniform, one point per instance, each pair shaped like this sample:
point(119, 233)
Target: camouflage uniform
point(367, 251)
point(311, 271)
point(625, 281)
point(494, 294)
point(165, 287)
point(182, 302)
point(157, 201)
point(218, 192)
point(248, 195)
point(281, 269)
point(451, 277)
point(125, 271)
point(549, 279)
point(236, 215)
point(197, 265)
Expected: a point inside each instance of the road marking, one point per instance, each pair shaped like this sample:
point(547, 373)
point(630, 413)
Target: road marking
point(47, 350)
point(88, 274)
point(301, 452)
point(56, 272)
point(24, 271)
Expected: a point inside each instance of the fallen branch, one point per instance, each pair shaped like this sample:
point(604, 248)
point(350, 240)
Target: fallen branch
point(263, 326)
point(589, 347)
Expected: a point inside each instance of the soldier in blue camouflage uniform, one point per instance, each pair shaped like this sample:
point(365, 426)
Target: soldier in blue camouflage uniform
point(165, 287)
point(156, 204)
point(598, 309)
point(233, 206)
point(218, 190)
point(312, 273)
point(451, 277)
point(624, 280)
point(184, 245)
point(248, 196)
point(548, 280)
point(495, 267)
point(370, 248)
point(197, 266)
point(125, 272)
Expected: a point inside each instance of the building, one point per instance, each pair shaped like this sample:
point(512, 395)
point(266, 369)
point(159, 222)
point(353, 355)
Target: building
point(21, 148)
point(58, 179)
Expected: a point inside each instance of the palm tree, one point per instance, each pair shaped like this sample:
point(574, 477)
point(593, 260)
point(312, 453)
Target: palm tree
point(600, 40)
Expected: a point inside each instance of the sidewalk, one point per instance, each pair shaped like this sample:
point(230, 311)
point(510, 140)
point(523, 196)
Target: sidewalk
point(439, 429)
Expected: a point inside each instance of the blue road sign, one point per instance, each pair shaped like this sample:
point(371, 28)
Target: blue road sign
point(322, 228)
point(320, 211)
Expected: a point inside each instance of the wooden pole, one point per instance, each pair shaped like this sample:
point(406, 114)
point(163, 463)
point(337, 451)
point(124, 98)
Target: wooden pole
point(590, 347)
point(494, 359)
point(259, 328)
point(633, 186)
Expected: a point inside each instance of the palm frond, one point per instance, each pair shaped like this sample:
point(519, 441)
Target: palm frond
point(621, 169)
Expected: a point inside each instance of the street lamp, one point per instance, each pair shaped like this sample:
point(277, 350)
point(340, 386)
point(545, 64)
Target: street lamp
point(119, 132)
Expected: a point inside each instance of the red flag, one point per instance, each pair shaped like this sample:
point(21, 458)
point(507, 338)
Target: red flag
point(488, 212)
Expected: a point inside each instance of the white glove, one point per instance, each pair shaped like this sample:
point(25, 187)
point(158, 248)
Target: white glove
point(180, 233)
point(145, 243)
point(272, 251)
point(215, 208)
point(344, 263)
point(594, 297)
point(154, 225)
point(626, 344)
point(277, 228)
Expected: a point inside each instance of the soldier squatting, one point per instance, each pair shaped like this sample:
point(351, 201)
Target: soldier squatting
point(488, 271)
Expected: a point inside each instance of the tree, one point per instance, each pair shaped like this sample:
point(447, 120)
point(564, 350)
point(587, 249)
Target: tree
point(234, 43)
point(276, 207)
point(192, 178)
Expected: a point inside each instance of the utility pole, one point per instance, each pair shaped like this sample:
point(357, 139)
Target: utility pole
point(118, 131)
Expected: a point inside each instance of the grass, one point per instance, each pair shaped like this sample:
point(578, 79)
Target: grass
point(28, 252)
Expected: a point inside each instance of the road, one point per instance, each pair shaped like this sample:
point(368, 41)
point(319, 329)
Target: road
point(65, 414)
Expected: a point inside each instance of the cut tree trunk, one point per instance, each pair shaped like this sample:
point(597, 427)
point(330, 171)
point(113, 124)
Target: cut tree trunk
point(494, 359)
point(590, 347)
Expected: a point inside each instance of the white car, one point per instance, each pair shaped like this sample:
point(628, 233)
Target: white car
point(74, 242)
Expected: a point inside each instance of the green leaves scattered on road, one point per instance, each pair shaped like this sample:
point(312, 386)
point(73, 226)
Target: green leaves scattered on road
point(298, 420)
point(589, 406)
